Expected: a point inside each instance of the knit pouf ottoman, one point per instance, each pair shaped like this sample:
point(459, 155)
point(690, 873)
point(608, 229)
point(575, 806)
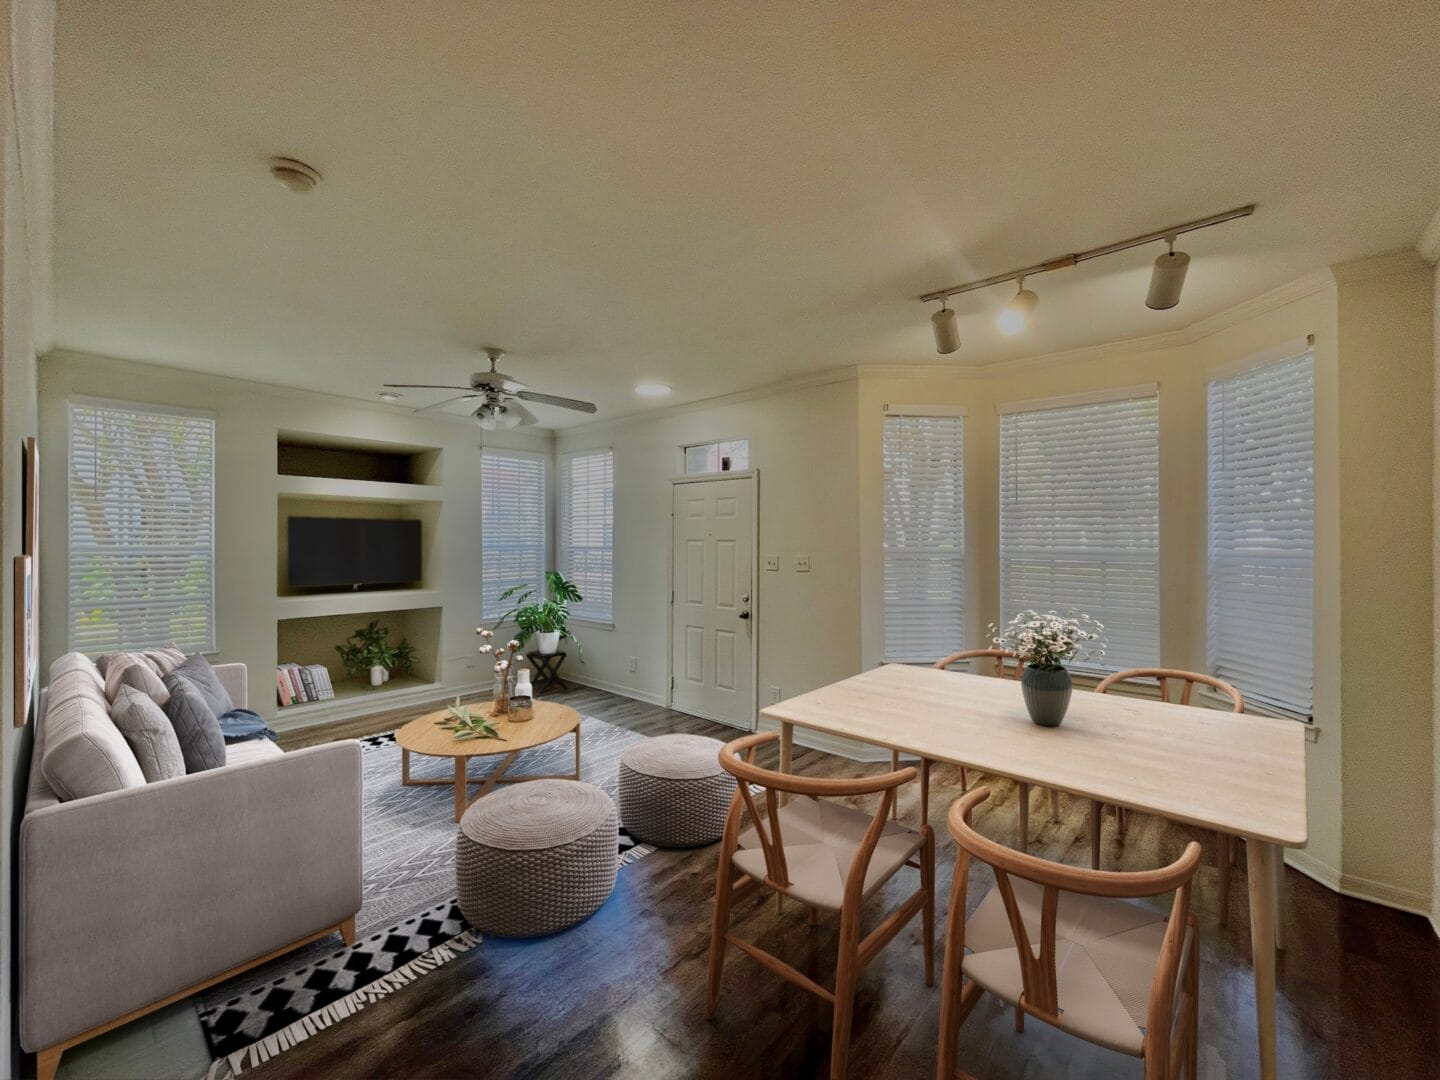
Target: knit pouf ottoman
point(673, 792)
point(536, 857)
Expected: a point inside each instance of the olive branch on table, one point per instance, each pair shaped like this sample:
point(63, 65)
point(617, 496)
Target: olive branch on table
point(467, 725)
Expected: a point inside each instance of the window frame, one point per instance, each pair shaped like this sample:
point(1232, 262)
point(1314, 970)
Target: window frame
point(545, 522)
point(562, 548)
point(716, 442)
point(210, 646)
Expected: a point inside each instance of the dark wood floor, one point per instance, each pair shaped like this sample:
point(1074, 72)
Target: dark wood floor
point(622, 994)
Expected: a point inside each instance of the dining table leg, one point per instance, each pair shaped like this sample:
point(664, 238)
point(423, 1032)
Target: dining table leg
point(1260, 873)
point(787, 753)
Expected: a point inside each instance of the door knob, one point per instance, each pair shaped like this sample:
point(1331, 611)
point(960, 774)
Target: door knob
point(744, 615)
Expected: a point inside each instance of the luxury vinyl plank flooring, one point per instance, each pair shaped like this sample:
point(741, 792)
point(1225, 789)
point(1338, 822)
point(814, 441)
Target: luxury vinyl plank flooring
point(622, 994)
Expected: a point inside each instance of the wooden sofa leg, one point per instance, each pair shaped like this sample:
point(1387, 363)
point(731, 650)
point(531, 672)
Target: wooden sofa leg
point(347, 930)
point(47, 1062)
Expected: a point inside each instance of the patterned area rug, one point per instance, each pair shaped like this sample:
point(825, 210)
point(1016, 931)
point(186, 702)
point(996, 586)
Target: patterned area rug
point(409, 924)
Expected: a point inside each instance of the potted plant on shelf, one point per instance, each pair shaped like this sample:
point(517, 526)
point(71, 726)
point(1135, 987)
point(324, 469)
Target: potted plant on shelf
point(546, 619)
point(369, 650)
point(1045, 642)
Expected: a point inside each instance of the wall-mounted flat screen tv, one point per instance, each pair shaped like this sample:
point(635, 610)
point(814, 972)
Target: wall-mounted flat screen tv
point(342, 553)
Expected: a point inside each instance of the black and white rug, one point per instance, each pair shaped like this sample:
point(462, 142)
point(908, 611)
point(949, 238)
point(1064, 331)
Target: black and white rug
point(409, 924)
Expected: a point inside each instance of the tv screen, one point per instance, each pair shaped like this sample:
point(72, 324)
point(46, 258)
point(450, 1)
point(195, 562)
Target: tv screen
point(344, 552)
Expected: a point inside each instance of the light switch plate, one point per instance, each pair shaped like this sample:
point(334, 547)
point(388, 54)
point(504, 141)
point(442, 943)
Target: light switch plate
point(772, 562)
point(632, 663)
point(774, 695)
point(802, 564)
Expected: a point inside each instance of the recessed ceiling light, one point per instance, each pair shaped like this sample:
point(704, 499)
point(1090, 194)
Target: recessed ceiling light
point(295, 175)
point(652, 389)
point(389, 395)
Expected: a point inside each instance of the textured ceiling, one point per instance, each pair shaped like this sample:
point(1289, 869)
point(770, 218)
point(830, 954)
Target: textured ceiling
point(709, 195)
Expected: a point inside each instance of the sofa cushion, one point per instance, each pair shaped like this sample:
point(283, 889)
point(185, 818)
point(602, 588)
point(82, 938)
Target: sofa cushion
point(197, 671)
point(132, 669)
point(201, 742)
point(239, 753)
point(83, 752)
point(150, 734)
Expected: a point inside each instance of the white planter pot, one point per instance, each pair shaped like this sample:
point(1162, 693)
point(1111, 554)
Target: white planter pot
point(387, 675)
point(377, 675)
point(548, 644)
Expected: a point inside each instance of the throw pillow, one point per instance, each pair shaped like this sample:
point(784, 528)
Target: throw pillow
point(165, 659)
point(196, 728)
point(197, 671)
point(130, 669)
point(149, 732)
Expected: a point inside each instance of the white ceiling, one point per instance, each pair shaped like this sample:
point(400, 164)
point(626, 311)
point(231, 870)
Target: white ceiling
point(710, 195)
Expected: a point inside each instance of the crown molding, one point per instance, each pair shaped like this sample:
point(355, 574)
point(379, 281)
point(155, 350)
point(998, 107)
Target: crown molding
point(1429, 243)
point(1404, 261)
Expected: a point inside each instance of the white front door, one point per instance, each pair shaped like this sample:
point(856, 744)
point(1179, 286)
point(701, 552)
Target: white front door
point(712, 625)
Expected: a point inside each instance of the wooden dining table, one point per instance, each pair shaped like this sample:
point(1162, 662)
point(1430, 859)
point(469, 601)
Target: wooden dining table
point(1233, 773)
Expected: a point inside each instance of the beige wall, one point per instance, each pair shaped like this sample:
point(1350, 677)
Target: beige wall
point(28, 29)
point(802, 442)
point(248, 418)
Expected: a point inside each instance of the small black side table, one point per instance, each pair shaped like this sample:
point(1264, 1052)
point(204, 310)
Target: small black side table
point(547, 671)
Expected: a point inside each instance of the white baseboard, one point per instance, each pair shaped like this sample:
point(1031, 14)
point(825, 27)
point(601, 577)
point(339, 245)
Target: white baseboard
point(614, 688)
point(1379, 892)
point(351, 708)
point(1313, 868)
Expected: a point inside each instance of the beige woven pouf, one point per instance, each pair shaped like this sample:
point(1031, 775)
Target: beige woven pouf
point(536, 857)
point(673, 792)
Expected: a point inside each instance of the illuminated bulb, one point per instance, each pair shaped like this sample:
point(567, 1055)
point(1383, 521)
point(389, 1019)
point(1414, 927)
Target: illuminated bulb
point(652, 390)
point(1012, 317)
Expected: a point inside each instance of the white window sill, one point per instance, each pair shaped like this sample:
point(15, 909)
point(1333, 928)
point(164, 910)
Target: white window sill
point(593, 624)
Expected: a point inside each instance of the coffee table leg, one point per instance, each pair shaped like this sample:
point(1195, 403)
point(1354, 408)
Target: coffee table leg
point(577, 753)
point(461, 788)
point(404, 766)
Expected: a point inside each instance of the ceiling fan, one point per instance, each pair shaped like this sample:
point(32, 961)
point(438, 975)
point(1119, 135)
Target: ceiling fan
point(497, 392)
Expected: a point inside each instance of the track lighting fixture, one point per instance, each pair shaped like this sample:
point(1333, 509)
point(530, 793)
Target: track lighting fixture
point(947, 331)
point(1013, 315)
point(1166, 280)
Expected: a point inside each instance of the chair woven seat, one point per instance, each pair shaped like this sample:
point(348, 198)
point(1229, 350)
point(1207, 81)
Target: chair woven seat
point(536, 858)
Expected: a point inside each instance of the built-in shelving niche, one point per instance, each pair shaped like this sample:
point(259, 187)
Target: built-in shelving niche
point(340, 458)
point(288, 506)
point(312, 640)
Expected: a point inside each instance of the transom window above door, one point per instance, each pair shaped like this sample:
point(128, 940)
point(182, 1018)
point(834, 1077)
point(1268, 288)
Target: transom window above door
point(725, 455)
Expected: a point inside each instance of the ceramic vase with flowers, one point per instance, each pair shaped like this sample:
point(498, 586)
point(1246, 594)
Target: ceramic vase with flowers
point(507, 662)
point(1046, 642)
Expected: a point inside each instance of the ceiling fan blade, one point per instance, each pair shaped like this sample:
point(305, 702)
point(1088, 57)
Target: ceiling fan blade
point(423, 386)
point(527, 418)
point(447, 401)
point(561, 402)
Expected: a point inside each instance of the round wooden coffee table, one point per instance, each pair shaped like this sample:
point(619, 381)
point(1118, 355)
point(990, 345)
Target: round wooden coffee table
point(424, 735)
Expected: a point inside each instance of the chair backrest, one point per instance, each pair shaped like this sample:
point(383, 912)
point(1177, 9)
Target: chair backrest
point(1037, 959)
point(1164, 675)
point(767, 826)
point(997, 656)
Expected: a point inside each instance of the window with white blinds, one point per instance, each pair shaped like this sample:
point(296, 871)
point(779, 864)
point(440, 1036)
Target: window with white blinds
point(512, 526)
point(586, 548)
point(1262, 532)
point(141, 528)
point(1080, 519)
point(924, 509)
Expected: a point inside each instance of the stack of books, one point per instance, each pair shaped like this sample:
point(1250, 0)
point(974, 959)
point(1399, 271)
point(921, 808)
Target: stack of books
point(296, 683)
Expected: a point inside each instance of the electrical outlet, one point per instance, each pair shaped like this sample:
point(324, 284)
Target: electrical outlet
point(772, 562)
point(632, 663)
point(802, 564)
point(774, 695)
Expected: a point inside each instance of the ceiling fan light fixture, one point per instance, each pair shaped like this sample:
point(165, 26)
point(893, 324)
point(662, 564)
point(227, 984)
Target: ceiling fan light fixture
point(947, 330)
point(652, 390)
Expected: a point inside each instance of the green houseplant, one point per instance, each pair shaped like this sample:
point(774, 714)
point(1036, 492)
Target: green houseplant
point(368, 649)
point(546, 618)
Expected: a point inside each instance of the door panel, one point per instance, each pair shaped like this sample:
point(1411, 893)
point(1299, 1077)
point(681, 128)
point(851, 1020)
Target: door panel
point(713, 634)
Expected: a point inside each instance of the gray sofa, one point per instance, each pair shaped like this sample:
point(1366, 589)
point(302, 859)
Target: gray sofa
point(137, 897)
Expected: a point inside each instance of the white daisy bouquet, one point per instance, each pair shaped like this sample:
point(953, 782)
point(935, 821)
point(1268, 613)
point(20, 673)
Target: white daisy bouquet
point(1049, 639)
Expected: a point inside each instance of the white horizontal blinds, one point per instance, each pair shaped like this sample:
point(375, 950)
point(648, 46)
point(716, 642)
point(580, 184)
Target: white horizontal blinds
point(924, 459)
point(141, 529)
point(1080, 520)
point(587, 531)
point(512, 525)
point(1262, 532)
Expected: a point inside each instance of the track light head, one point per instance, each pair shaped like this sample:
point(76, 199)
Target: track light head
point(1022, 304)
point(1168, 278)
point(947, 330)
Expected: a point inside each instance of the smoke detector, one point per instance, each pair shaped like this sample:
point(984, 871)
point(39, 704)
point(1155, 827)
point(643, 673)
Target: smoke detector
point(295, 175)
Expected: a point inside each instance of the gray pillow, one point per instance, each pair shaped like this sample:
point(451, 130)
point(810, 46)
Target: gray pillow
point(201, 742)
point(140, 677)
point(150, 734)
point(198, 672)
